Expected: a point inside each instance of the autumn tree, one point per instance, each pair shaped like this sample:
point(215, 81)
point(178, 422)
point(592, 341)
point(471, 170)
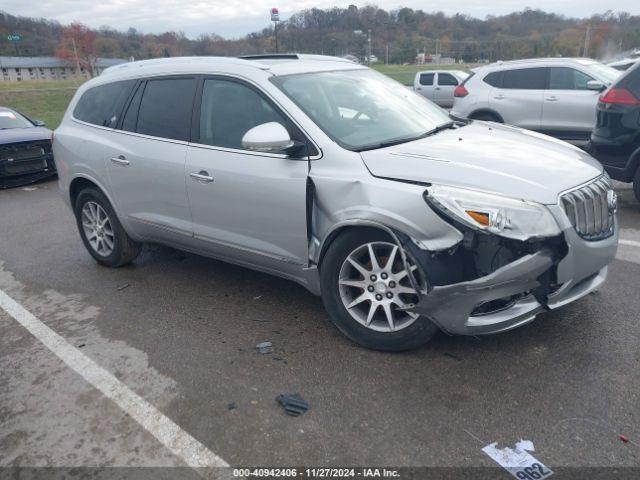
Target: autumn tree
point(78, 46)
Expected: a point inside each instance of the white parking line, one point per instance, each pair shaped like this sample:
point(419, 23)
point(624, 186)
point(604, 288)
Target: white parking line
point(179, 442)
point(630, 243)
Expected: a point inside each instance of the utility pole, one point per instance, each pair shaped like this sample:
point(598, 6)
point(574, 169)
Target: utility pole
point(75, 53)
point(387, 55)
point(369, 45)
point(587, 39)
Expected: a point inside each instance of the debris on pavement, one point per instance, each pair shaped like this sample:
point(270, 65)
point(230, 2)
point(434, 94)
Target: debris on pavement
point(29, 189)
point(231, 406)
point(451, 355)
point(264, 347)
point(258, 297)
point(518, 461)
point(122, 287)
point(293, 404)
point(623, 438)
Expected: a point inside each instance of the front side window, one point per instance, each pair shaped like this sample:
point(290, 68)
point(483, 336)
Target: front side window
point(362, 109)
point(100, 105)
point(447, 80)
point(564, 78)
point(525, 79)
point(426, 78)
point(165, 108)
point(229, 110)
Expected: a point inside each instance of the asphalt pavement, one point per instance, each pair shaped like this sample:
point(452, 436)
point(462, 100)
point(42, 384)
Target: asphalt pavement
point(176, 333)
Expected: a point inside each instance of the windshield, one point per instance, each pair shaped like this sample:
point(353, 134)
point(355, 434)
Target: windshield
point(11, 119)
point(605, 72)
point(362, 109)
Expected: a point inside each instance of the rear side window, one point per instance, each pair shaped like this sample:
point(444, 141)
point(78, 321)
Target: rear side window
point(101, 105)
point(631, 80)
point(446, 79)
point(494, 79)
point(564, 78)
point(165, 108)
point(525, 79)
point(426, 78)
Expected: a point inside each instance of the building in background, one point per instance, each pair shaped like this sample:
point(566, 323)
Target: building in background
point(18, 69)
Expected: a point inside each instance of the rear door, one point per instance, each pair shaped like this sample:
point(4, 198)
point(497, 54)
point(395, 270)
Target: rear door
point(146, 159)
point(519, 99)
point(425, 84)
point(446, 84)
point(569, 108)
point(247, 206)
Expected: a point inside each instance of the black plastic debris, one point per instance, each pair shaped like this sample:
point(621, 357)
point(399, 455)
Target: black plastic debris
point(293, 404)
point(264, 347)
point(231, 406)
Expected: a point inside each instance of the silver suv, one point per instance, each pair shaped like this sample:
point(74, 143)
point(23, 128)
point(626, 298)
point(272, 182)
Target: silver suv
point(343, 180)
point(555, 96)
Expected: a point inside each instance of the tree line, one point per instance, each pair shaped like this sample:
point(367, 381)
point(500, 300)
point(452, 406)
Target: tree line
point(396, 36)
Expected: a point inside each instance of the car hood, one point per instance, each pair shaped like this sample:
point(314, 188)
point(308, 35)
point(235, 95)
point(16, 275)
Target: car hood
point(14, 135)
point(490, 157)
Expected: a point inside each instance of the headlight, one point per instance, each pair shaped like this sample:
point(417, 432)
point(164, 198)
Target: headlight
point(504, 216)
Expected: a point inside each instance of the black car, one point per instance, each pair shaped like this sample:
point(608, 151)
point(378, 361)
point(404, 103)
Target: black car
point(615, 141)
point(25, 150)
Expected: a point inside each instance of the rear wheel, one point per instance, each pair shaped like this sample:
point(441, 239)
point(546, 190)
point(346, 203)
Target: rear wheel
point(486, 116)
point(365, 289)
point(101, 231)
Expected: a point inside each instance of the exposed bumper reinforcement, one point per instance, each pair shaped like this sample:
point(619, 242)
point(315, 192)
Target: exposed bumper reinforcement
point(450, 306)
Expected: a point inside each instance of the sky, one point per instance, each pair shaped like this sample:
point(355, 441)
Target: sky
point(235, 18)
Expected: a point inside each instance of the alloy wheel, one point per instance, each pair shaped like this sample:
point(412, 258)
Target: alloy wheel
point(97, 228)
point(375, 287)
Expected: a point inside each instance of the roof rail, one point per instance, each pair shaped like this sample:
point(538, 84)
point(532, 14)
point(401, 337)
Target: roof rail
point(270, 56)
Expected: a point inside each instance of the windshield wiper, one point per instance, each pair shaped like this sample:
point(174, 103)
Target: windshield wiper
point(391, 143)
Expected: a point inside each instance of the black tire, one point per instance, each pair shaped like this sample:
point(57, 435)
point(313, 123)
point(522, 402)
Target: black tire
point(486, 116)
point(125, 250)
point(412, 336)
point(636, 184)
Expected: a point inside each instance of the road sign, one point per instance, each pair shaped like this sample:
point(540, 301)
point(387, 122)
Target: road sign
point(14, 37)
point(275, 15)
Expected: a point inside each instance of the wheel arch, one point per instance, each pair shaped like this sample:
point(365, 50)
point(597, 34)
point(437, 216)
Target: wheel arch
point(490, 111)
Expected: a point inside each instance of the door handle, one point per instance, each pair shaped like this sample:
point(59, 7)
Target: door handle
point(552, 99)
point(437, 88)
point(419, 88)
point(499, 97)
point(120, 160)
point(202, 176)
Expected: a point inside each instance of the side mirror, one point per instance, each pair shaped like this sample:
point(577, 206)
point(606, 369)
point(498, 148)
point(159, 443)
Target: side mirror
point(268, 138)
point(595, 85)
point(39, 123)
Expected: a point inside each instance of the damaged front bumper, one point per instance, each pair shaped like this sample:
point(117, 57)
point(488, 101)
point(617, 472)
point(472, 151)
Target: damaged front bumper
point(520, 286)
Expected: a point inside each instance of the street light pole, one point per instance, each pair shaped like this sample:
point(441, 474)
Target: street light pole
point(369, 44)
point(275, 18)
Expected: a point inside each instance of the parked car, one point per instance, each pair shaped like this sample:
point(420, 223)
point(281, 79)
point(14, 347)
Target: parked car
point(555, 96)
point(624, 64)
point(615, 141)
point(25, 150)
point(439, 85)
point(402, 219)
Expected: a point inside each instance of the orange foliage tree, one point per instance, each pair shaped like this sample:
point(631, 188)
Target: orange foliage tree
point(78, 44)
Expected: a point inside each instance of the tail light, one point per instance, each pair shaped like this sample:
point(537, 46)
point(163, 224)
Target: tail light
point(460, 91)
point(619, 96)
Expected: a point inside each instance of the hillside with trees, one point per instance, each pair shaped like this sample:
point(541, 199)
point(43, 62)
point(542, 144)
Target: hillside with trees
point(397, 35)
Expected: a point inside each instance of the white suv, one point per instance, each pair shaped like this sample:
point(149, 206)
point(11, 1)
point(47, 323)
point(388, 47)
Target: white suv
point(556, 96)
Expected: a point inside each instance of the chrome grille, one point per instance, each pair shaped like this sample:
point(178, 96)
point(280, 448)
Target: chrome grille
point(588, 209)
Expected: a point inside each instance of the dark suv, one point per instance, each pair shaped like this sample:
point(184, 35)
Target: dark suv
point(616, 139)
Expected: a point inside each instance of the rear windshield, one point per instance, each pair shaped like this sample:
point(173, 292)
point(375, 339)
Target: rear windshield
point(10, 119)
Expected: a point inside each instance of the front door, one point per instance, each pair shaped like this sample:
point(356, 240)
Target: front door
point(443, 94)
point(245, 205)
point(146, 159)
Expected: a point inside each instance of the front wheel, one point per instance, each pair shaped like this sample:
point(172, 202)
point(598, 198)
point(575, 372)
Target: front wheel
point(366, 288)
point(101, 231)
